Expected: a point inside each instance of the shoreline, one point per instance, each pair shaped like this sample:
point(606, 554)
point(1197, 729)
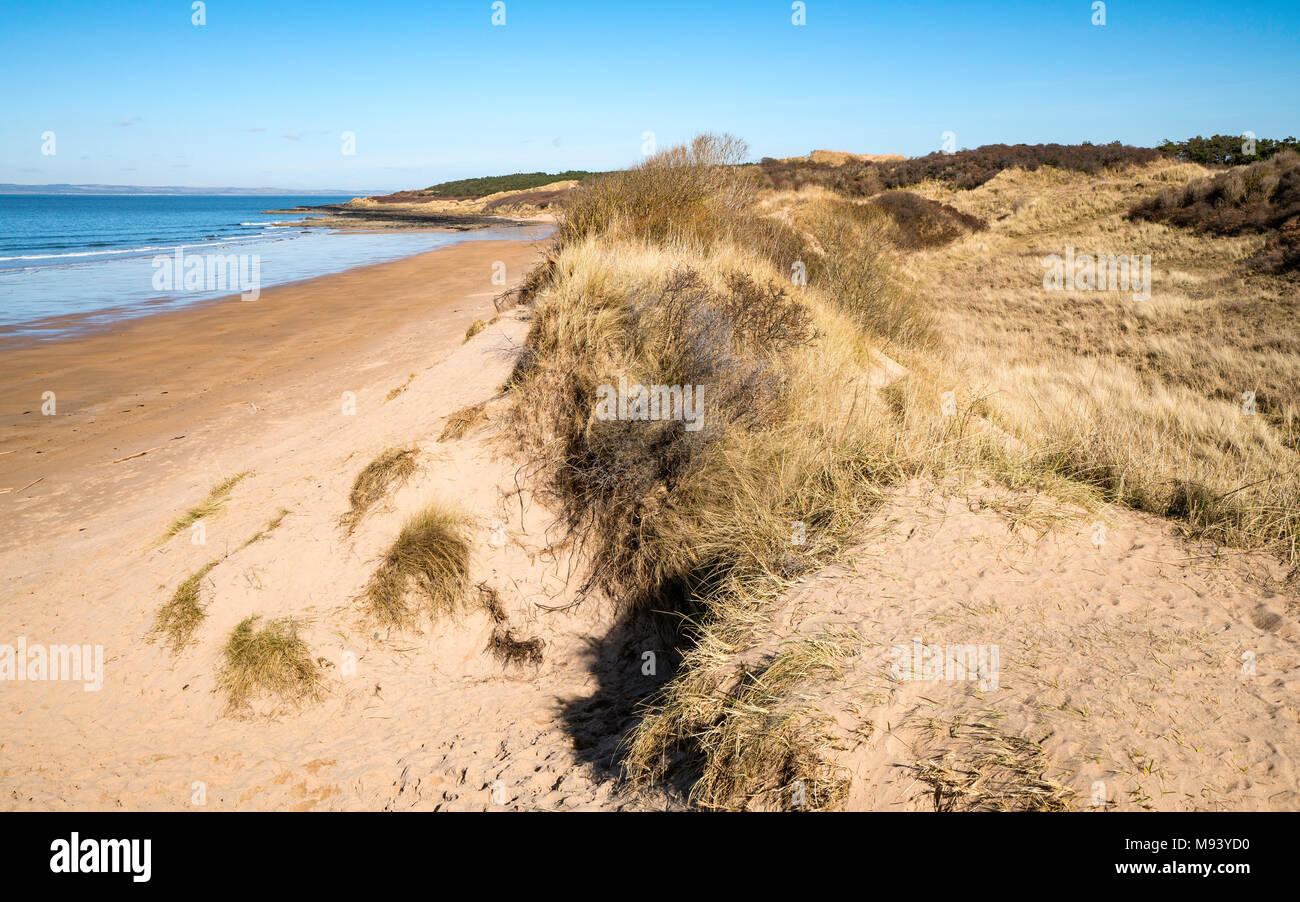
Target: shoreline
point(111, 315)
point(256, 392)
point(180, 383)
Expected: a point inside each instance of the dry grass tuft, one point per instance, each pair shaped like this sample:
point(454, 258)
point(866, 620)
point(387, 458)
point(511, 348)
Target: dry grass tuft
point(399, 389)
point(990, 771)
point(180, 617)
point(391, 468)
point(271, 526)
point(216, 500)
point(272, 660)
point(475, 328)
point(462, 421)
point(429, 560)
point(791, 430)
point(502, 643)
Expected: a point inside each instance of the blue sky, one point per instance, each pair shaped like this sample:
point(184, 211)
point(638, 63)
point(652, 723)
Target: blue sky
point(261, 94)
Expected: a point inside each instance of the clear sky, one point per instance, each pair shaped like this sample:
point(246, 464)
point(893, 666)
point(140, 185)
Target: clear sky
point(261, 95)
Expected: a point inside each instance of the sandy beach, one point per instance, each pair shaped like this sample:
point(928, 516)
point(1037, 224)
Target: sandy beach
point(258, 388)
point(191, 385)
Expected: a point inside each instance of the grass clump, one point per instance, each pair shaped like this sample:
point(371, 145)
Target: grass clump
point(649, 492)
point(393, 393)
point(988, 770)
point(475, 328)
point(271, 526)
point(391, 467)
point(430, 561)
point(462, 421)
point(216, 500)
point(271, 660)
point(180, 617)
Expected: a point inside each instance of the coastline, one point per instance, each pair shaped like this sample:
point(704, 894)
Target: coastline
point(317, 251)
point(162, 381)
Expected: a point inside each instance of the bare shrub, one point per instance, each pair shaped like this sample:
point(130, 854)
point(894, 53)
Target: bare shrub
point(1259, 197)
point(1252, 198)
point(921, 222)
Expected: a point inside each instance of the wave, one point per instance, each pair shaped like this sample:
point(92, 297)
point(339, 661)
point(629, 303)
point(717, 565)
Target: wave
point(233, 239)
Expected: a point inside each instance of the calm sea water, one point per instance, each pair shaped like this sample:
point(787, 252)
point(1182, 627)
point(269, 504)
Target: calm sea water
point(95, 256)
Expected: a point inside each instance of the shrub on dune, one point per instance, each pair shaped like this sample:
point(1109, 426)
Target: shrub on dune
point(922, 223)
point(1258, 197)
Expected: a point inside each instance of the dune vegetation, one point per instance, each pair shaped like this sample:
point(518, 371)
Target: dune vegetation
point(389, 469)
point(180, 616)
point(424, 571)
point(1255, 198)
point(268, 660)
point(216, 499)
point(962, 168)
point(492, 184)
point(844, 340)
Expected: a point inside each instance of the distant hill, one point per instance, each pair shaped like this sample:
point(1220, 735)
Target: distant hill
point(6, 188)
point(493, 184)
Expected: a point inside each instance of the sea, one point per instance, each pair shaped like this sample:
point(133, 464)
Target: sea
point(72, 263)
